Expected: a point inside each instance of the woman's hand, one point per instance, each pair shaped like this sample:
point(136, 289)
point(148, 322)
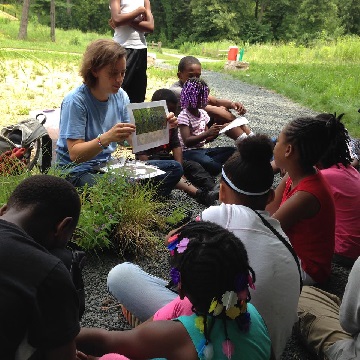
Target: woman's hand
point(117, 133)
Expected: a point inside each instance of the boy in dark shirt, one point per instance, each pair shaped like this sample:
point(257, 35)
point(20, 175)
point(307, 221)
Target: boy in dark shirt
point(194, 173)
point(39, 305)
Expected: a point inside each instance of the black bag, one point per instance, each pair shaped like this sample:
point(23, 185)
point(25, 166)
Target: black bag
point(74, 260)
point(32, 136)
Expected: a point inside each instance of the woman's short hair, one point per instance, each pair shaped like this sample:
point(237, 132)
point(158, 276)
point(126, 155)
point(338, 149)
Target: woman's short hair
point(98, 54)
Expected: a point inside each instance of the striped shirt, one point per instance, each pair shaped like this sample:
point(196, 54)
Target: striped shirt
point(197, 126)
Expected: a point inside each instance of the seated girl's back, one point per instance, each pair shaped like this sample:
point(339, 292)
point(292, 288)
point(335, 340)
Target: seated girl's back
point(303, 201)
point(344, 181)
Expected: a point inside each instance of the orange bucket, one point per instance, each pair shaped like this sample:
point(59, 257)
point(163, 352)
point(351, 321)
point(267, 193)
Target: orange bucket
point(233, 52)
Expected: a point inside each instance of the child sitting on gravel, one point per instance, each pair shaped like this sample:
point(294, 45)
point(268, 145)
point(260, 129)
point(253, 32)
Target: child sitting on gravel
point(303, 201)
point(197, 181)
point(218, 109)
point(245, 189)
point(193, 128)
point(210, 266)
point(328, 326)
point(344, 181)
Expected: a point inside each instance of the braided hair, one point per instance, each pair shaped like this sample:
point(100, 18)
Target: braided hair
point(338, 151)
point(311, 137)
point(249, 168)
point(194, 94)
point(214, 262)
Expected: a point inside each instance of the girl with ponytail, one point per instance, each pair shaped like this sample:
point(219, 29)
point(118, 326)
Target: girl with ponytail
point(303, 201)
point(344, 181)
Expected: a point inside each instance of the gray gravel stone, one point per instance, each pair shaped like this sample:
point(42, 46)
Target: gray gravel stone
point(267, 113)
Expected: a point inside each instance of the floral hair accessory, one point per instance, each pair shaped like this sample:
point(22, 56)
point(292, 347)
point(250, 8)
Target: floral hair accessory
point(233, 312)
point(216, 307)
point(229, 299)
point(182, 245)
point(175, 276)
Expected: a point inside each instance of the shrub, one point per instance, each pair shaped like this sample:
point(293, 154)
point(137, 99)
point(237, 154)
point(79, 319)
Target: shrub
point(118, 215)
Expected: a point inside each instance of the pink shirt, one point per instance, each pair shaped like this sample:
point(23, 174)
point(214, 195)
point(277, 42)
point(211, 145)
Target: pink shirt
point(174, 309)
point(197, 126)
point(345, 185)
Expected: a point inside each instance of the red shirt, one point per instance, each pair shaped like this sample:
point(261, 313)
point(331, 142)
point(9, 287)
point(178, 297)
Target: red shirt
point(313, 239)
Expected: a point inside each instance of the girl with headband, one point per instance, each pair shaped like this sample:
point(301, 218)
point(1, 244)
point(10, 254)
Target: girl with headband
point(245, 189)
point(211, 267)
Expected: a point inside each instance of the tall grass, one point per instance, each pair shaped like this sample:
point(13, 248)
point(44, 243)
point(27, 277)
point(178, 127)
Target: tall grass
point(68, 41)
point(324, 77)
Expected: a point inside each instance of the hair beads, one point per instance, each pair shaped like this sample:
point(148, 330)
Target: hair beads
point(194, 94)
point(212, 266)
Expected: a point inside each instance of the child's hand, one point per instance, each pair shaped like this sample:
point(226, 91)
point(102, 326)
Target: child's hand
point(214, 130)
point(172, 120)
point(238, 107)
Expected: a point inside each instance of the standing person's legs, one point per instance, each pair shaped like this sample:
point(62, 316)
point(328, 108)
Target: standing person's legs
point(173, 172)
point(135, 80)
point(207, 162)
point(319, 324)
point(141, 293)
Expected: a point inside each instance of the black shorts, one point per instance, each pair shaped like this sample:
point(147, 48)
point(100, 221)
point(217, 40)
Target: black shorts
point(135, 80)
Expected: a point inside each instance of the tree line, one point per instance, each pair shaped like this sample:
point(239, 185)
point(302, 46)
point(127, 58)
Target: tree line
point(252, 21)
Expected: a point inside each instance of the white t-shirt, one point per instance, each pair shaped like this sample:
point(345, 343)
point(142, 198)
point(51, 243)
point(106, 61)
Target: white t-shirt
point(277, 277)
point(126, 35)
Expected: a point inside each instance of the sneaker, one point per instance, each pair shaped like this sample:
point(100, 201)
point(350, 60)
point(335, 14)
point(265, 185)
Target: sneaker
point(207, 198)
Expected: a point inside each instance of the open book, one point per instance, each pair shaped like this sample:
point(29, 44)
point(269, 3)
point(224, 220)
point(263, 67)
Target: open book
point(241, 120)
point(133, 169)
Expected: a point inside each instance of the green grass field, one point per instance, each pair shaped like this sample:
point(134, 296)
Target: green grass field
point(325, 78)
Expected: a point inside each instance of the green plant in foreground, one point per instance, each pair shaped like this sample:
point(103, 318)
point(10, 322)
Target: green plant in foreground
point(177, 216)
point(8, 183)
point(118, 215)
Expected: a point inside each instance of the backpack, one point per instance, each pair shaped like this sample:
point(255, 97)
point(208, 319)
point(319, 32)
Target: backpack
point(24, 145)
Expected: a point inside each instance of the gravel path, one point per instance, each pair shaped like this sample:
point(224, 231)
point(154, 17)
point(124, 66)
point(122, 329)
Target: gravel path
point(267, 113)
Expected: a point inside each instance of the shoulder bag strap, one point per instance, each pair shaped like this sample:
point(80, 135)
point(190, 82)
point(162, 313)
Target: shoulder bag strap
point(286, 243)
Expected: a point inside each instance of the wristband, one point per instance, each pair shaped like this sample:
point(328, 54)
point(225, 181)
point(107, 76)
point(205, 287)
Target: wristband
point(100, 143)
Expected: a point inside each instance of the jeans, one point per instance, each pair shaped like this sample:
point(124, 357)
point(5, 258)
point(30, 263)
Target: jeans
point(141, 293)
point(211, 159)
point(165, 182)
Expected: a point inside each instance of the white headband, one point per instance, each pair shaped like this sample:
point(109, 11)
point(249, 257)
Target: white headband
point(228, 181)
